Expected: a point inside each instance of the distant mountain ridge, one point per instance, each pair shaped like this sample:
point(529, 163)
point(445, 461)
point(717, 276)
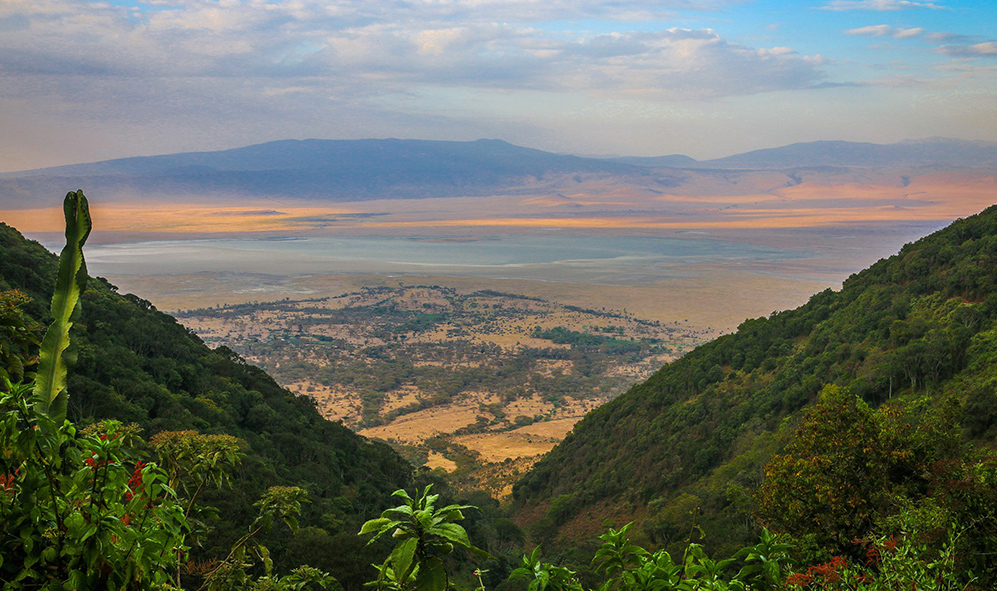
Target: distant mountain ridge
point(358, 170)
point(315, 154)
point(933, 151)
point(672, 160)
point(927, 152)
point(328, 170)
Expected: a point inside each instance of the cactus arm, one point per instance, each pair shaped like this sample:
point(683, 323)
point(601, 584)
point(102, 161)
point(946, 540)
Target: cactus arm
point(57, 355)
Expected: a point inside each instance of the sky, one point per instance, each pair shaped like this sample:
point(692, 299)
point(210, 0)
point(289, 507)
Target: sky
point(88, 81)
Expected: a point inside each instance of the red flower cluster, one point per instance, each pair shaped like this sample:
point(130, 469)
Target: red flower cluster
point(7, 480)
point(820, 573)
point(135, 482)
point(96, 463)
point(890, 544)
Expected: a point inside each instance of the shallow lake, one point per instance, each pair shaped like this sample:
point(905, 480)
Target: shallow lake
point(577, 259)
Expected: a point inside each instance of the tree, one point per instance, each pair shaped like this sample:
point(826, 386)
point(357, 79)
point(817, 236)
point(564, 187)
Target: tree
point(849, 467)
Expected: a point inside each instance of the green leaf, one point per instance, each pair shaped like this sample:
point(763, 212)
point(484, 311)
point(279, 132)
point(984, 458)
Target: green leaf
point(401, 493)
point(57, 355)
point(374, 525)
point(452, 532)
point(49, 554)
point(75, 580)
point(264, 553)
point(403, 558)
point(432, 576)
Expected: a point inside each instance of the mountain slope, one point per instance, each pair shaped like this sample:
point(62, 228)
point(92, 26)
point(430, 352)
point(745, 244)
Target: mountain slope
point(936, 152)
point(329, 170)
point(672, 160)
point(357, 170)
point(941, 152)
point(694, 436)
point(139, 365)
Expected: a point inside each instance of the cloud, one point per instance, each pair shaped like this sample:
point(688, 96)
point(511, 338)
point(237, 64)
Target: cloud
point(350, 50)
point(87, 80)
point(943, 37)
point(878, 5)
point(919, 33)
point(886, 31)
point(121, 78)
point(988, 49)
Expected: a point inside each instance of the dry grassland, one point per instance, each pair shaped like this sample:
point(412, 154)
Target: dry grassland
point(416, 427)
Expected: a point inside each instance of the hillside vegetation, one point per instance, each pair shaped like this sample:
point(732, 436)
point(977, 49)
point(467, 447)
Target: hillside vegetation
point(914, 333)
point(138, 365)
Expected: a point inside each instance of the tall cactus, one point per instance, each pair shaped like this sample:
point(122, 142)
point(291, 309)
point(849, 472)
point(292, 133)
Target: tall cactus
point(57, 354)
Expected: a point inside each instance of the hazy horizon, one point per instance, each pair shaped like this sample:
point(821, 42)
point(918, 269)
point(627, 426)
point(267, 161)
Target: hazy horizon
point(578, 154)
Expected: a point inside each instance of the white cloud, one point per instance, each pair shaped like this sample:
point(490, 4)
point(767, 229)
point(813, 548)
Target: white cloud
point(369, 48)
point(173, 75)
point(887, 31)
point(988, 49)
point(878, 5)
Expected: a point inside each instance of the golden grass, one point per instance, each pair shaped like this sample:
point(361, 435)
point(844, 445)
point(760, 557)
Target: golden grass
point(418, 426)
point(438, 460)
point(496, 447)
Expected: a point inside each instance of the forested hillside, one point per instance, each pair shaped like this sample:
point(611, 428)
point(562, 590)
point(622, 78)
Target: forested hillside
point(139, 365)
point(914, 333)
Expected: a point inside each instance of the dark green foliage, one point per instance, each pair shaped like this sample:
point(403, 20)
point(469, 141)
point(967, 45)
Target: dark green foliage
point(18, 337)
point(850, 471)
point(136, 364)
point(80, 510)
point(629, 567)
point(586, 341)
point(702, 427)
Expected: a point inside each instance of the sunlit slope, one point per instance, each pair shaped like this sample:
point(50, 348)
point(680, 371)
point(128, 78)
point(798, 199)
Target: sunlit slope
point(684, 446)
point(139, 365)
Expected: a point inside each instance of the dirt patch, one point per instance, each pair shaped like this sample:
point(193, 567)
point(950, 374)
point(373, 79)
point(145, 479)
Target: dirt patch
point(335, 404)
point(418, 426)
point(555, 430)
point(438, 460)
point(497, 447)
point(529, 407)
point(402, 397)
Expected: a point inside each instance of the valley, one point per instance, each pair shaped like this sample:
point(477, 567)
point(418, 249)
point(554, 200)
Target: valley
point(477, 383)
